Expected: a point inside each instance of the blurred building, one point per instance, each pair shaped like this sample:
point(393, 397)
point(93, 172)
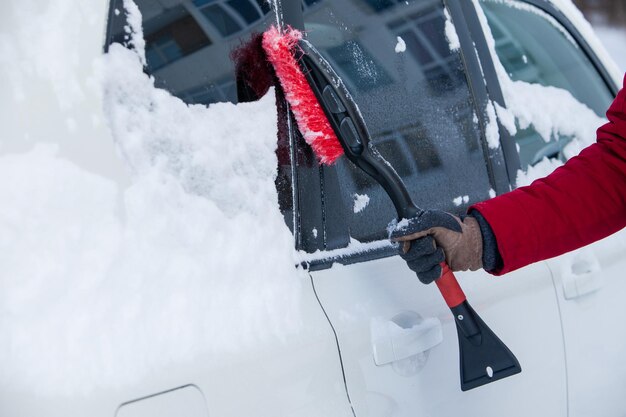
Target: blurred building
point(607, 12)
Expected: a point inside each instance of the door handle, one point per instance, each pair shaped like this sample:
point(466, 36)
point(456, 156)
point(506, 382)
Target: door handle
point(406, 334)
point(582, 277)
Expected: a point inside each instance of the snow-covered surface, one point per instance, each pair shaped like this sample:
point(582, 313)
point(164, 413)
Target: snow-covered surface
point(99, 284)
point(536, 171)
point(492, 131)
point(360, 202)
point(354, 247)
point(398, 225)
point(450, 31)
point(133, 30)
point(507, 118)
point(551, 115)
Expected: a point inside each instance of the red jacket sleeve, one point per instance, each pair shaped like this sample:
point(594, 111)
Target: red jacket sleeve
point(579, 203)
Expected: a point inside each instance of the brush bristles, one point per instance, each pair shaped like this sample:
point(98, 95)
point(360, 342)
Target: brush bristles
point(309, 115)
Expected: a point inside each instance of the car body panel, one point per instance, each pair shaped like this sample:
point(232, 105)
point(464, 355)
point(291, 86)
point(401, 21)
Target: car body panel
point(521, 308)
point(590, 283)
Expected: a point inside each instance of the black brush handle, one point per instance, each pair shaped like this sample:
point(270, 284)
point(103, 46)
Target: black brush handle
point(478, 344)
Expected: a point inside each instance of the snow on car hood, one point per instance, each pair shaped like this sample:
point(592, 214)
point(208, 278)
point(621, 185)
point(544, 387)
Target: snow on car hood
point(102, 285)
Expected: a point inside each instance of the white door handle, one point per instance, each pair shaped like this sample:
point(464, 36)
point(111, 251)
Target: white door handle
point(583, 277)
point(405, 335)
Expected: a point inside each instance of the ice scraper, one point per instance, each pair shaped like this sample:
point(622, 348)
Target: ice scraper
point(331, 123)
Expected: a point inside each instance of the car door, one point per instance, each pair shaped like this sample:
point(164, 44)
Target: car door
point(189, 50)
point(418, 83)
point(537, 45)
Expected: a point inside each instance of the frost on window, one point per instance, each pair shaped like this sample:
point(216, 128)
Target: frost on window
point(555, 99)
point(417, 106)
point(360, 69)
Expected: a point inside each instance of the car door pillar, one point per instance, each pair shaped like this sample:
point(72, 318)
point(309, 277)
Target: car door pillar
point(484, 83)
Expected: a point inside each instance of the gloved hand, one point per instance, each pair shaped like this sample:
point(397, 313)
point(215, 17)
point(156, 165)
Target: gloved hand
point(426, 240)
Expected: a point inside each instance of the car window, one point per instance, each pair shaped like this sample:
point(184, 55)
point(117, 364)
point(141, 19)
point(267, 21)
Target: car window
point(412, 90)
point(533, 47)
point(189, 52)
point(189, 43)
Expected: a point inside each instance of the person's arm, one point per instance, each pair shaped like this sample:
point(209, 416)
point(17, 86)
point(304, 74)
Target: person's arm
point(579, 203)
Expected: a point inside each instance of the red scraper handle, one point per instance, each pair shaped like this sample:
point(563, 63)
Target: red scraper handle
point(449, 287)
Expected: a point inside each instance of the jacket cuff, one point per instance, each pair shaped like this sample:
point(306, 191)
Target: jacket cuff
point(492, 261)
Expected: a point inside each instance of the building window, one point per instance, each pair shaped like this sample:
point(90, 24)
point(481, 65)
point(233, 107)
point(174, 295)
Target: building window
point(232, 16)
point(174, 41)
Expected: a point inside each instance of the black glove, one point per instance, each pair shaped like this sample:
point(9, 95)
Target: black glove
point(424, 258)
point(427, 240)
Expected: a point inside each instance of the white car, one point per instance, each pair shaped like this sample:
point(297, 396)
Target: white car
point(465, 99)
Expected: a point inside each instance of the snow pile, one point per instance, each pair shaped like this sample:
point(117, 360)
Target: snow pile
point(541, 169)
point(101, 286)
point(556, 112)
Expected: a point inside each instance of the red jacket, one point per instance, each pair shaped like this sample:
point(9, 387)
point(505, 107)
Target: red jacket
point(579, 203)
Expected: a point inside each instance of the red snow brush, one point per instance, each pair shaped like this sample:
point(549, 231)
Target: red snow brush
point(331, 123)
point(312, 121)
